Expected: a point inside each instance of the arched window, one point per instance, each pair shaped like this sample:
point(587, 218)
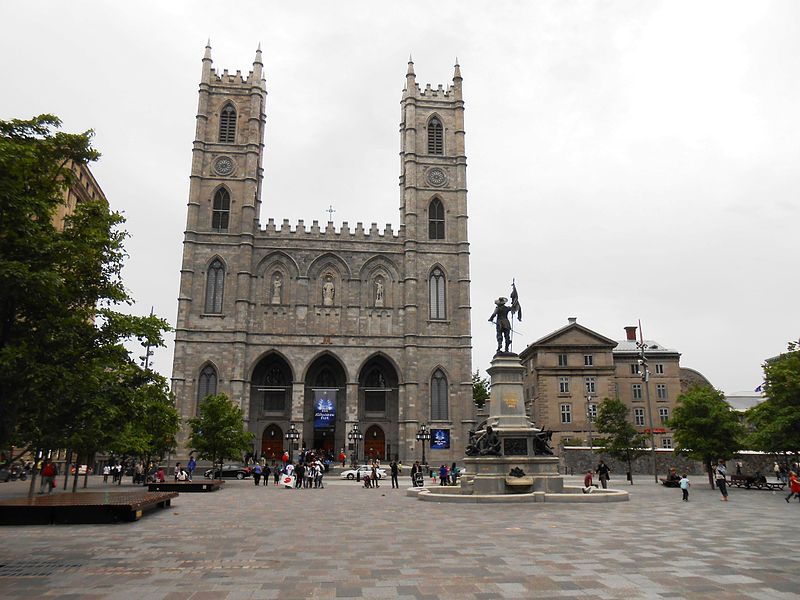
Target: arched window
point(221, 210)
point(439, 410)
point(436, 220)
point(206, 384)
point(215, 286)
point(227, 125)
point(435, 136)
point(437, 286)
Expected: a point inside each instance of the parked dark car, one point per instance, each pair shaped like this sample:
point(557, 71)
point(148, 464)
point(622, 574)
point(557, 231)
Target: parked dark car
point(230, 471)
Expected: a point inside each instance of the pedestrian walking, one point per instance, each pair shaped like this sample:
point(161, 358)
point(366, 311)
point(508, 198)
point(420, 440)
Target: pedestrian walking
point(719, 475)
point(684, 483)
point(738, 467)
point(191, 466)
point(603, 473)
point(107, 472)
point(453, 474)
point(374, 478)
point(395, 472)
point(49, 473)
point(794, 486)
point(443, 475)
point(276, 474)
point(415, 469)
point(257, 474)
point(265, 471)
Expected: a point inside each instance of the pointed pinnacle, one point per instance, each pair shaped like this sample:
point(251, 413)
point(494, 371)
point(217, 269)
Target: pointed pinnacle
point(207, 55)
point(410, 66)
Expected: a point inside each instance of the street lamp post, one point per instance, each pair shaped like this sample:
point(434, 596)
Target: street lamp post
point(423, 435)
point(355, 436)
point(589, 418)
point(292, 436)
point(645, 379)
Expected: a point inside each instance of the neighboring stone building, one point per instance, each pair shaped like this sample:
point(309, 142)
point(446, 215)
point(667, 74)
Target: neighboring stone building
point(323, 328)
point(84, 188)
point(571, 370)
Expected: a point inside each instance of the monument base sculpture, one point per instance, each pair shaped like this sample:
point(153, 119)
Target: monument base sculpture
point(508, 459)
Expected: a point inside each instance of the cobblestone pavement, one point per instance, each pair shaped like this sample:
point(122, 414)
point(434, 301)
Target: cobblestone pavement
point(345, 541)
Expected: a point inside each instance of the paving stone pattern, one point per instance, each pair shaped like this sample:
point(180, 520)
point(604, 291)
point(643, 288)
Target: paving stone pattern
point(345, 541)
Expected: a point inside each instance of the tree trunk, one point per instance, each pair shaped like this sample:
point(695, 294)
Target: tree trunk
point(75, 477)
point(710, 470)
point(32, 487)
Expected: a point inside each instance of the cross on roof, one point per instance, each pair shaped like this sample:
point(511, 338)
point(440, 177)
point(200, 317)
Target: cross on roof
point(330, 210)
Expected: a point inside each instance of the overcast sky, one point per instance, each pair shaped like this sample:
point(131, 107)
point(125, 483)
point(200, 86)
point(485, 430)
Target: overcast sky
point(626, 160)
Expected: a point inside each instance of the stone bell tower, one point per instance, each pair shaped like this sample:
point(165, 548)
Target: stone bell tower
point(433, 211)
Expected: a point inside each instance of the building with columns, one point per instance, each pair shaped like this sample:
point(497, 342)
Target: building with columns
point(323, 328)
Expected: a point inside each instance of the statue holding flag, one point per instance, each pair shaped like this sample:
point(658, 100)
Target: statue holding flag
point(501, 312)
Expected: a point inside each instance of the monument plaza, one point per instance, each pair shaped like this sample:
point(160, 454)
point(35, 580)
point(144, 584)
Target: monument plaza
point(345, 541)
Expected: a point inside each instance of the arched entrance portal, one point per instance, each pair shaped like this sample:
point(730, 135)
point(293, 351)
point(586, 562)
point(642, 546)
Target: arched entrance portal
point(272, 443)
point(375, 443)
point(323, 414)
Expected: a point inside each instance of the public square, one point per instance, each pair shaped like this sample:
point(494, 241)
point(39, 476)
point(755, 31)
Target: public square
point(345, 541)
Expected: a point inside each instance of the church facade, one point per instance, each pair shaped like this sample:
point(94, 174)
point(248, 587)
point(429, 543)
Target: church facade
point(318, 329)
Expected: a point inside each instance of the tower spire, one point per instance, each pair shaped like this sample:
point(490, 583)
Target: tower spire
point(456, 70)
point(206, 75)
point(411, 81)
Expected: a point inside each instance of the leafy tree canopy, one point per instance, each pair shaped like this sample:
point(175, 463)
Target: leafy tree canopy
point(480, 389)
point(706, 428)
point(218, 433)
point(62, 357)
point(776, 421)
point(620, 438)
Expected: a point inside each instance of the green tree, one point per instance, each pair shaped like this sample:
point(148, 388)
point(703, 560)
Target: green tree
point(218, 433)
point(776, 421)
point(151, 422)
point(480, 389)
point(706, 428)
point(61, 341)
point(620, 439)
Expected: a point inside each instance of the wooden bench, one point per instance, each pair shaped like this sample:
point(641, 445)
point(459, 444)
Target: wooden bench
point(186, 486)
point(757, 482)
point(81, 507)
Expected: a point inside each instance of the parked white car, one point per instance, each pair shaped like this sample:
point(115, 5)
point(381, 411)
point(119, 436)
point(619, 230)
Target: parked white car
point(363, 470)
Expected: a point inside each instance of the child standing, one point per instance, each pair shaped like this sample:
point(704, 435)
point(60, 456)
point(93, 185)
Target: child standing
point(684, 483)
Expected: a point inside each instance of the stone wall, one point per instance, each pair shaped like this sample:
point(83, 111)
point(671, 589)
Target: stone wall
point(574, 460)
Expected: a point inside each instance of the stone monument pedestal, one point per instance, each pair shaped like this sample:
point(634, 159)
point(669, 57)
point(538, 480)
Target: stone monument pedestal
point(523, 462)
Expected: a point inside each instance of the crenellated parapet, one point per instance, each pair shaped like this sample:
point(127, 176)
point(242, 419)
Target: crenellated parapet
point(236, 79)
point(284, 230)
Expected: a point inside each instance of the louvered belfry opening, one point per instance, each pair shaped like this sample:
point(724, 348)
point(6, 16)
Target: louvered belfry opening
point(227, 125)
point(435, 136)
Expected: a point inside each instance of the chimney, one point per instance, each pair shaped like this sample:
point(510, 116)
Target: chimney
point(572, 320)
point(630, 333)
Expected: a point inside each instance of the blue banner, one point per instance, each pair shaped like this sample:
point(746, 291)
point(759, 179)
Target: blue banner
point(440, 439)
point(324, 409)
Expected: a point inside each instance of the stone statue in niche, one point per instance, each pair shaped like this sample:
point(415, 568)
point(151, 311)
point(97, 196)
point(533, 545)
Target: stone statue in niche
point(277, 283)
point(328, 291)
point(379, 292)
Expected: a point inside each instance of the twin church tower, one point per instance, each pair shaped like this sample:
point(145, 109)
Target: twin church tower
point(318, 329)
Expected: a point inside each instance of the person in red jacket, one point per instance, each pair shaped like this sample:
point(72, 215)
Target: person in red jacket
point(588, 486)
point(794, 486)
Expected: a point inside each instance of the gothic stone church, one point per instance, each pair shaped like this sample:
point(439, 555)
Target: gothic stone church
point(319, 328)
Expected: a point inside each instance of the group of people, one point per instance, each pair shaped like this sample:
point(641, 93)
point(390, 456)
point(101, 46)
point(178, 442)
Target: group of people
point(447, 475)
point(305, 474)
point(603, 473)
